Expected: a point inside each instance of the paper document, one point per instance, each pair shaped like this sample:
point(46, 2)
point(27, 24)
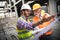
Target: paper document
point(44, 30)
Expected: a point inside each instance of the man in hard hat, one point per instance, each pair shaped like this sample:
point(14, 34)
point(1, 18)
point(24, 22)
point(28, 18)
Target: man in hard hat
point(23, 23)
point(24, 26)
point(39, 15)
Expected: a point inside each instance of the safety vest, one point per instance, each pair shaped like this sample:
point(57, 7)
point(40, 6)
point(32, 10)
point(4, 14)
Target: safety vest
point(24, 33)
point(36, 19)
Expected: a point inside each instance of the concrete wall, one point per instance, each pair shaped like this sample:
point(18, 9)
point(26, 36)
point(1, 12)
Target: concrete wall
point(52, 7)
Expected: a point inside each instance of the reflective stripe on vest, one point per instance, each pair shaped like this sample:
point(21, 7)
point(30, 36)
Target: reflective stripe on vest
point(23, 34)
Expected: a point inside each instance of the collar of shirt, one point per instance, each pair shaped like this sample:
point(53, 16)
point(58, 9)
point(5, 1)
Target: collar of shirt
point(23, 17)
point(27, 19)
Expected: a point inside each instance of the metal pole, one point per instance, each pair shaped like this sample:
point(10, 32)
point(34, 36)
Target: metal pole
point(15, 2)
point(15, 8)
point(52, 7)
point(10, 8)
point(22, 1)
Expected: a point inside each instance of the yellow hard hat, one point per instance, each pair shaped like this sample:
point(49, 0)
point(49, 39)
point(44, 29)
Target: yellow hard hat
point(36, 6)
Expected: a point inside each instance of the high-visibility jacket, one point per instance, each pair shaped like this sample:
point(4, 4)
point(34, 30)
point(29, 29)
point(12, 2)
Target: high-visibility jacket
point(36, 19)
point(24, 33)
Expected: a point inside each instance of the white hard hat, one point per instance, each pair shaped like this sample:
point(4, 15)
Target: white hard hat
point(25, 6)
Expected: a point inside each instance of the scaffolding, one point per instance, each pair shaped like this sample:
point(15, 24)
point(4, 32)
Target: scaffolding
point(15, 3)
point(9, 6)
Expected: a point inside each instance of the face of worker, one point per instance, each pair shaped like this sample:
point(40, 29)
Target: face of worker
point(38, 11)
point(27, 12)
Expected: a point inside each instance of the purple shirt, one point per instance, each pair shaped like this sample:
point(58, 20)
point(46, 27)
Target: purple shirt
point(22, 24)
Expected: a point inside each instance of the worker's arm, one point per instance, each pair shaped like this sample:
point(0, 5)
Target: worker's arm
point(24, 25)
point(21, 24)
point(48, 18)
point(37, 23)
point(43, 20)
point(45, 29)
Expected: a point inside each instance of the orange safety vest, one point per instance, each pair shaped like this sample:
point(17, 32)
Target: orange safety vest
point(36, 19)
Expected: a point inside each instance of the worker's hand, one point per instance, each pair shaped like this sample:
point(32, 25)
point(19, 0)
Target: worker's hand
point(53, 17)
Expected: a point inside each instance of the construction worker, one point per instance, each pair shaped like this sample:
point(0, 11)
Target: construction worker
point(23, 23)
point(24, 26)
point(39, 15)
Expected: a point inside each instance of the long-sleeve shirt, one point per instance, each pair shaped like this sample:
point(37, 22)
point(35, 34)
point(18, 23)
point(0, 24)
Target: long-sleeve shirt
point(22, 23)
